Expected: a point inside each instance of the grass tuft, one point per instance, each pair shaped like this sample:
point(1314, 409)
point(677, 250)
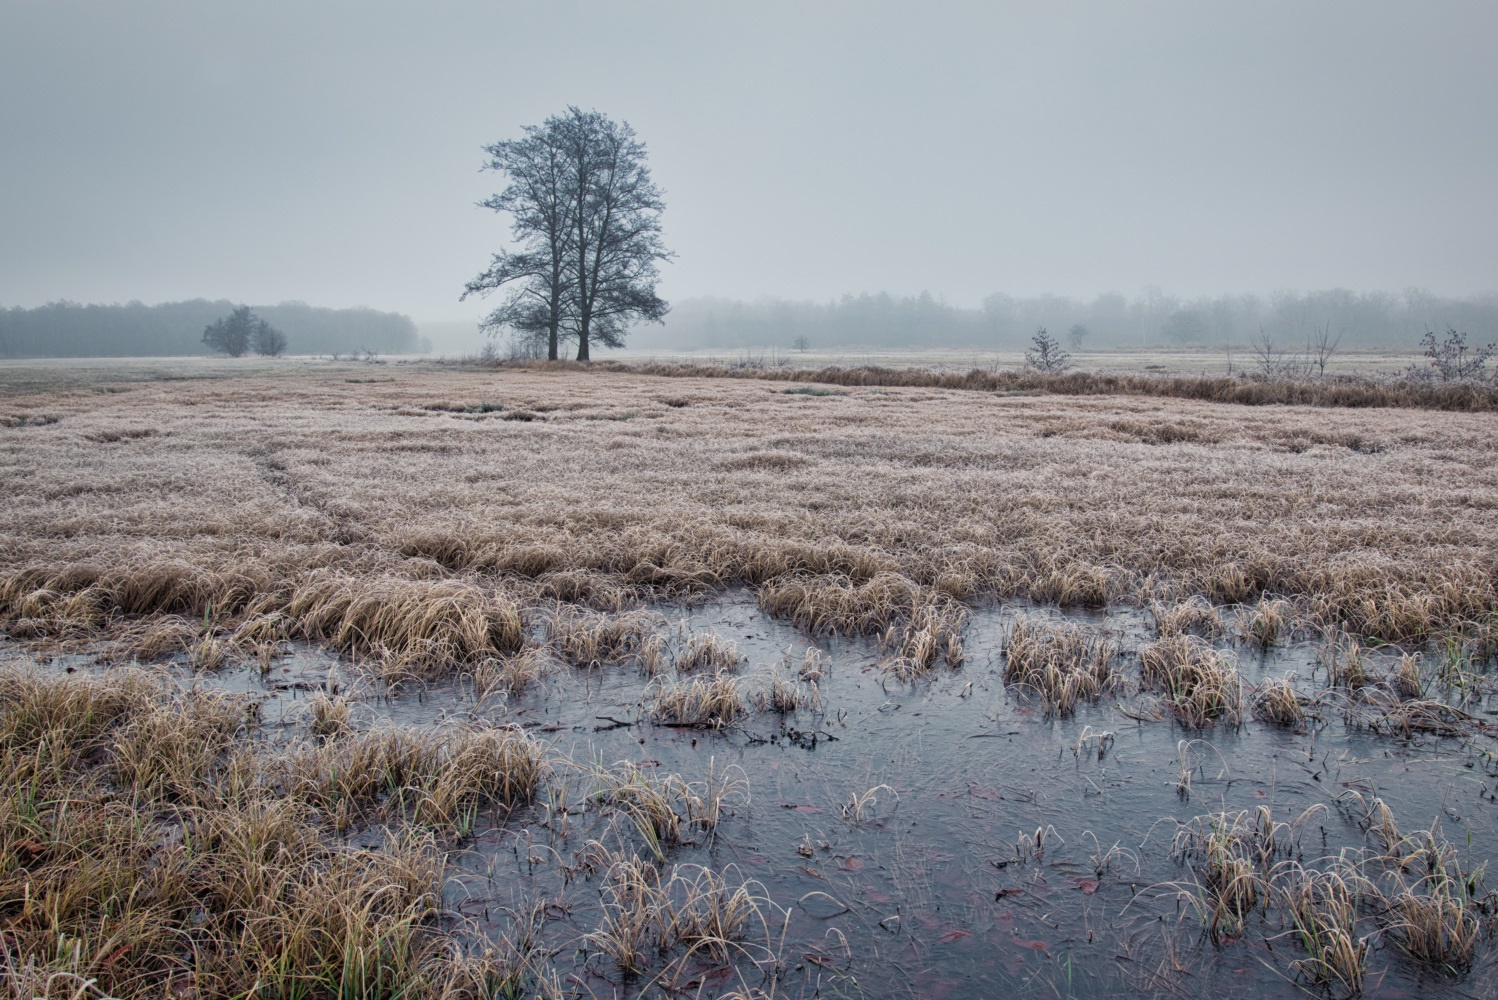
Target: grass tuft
point(708, 703)
point(1063, 663)
point(1200, 687)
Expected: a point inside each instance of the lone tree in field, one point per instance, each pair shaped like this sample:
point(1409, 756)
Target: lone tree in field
point(585, 216)
point(1046, 354)
point(242, 330)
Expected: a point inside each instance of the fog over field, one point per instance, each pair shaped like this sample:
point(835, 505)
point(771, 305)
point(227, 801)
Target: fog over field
point(686, 501)
point(330, 154)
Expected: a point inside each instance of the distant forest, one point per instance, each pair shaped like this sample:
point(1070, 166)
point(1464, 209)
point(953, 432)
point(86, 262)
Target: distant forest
point(70, 330)
point(1365, 320)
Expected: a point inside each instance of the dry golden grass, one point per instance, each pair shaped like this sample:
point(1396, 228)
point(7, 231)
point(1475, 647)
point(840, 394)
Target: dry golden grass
point(783, 696)
point(589, 639)
point(898, 490)
point(1264, 623)
point(1411, 889)
point(688, 909)
point(1200, 686)
point(1406, 680)
point(1323, 913)
point(1437, 922)
point(148, 847)
point(407, 525)
point(330, 715)
point(424, 622)
point(152, 845)
point(511, 674)
point(1063, 663)
point(703, 702)
point(1192, 617)
point(1357, 391)
point(401, 773)
point(1277, 701)
point(707, 652)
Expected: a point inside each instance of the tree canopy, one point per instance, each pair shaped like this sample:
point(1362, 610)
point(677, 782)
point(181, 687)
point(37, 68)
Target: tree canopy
point(243, 331)
point(585, 218)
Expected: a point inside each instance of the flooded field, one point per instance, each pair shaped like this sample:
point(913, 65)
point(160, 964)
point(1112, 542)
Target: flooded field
point(403, 681)
point(946, 836)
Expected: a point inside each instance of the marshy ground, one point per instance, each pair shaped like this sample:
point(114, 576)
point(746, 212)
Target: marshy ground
point(413, 680)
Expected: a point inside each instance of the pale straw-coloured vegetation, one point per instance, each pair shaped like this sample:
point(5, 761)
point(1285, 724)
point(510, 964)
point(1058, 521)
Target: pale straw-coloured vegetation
point(376, 518)
point(1063, 663)
point(503, 530)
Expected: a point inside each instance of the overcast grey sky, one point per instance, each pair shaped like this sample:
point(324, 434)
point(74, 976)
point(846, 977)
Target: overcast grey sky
point(262, 151)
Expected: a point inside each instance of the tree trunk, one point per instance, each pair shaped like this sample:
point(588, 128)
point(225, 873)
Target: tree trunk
point(582, 343)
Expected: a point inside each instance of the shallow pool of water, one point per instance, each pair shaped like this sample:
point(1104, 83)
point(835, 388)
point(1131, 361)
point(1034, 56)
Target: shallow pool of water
point(942, 837)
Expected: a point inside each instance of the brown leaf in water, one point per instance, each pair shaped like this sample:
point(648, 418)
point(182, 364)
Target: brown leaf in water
point(955, 934)
point(1088, 885)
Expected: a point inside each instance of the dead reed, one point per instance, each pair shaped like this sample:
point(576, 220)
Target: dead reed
point(1351, 392)
point(1277, 701)
point(1406, 679)
point(1264, 623)
point(916, 625)
point(707, 651)
point(707, 703)
point(1323, 910)
point(330, 715)
point(146, 851)
point(1192, 617)
point(1345, 663)
point(510, 674)
point(1061, 662)
point(1200, 687)
point(426, 624)
point(589, 639)
point(688, 912)
point(784, 696)
point(399, 773)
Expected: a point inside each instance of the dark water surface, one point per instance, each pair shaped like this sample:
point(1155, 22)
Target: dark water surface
point(939, 838)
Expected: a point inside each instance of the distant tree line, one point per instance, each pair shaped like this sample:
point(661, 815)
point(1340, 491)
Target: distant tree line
point(68, 330)
point(1152, 318)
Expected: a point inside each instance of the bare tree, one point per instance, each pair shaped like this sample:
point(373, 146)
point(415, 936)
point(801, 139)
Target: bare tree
point(542, 202)
point(616, 243)
point(1046, 354)
point(1273, 361)
point(586, 216)
point(1452, 360)
point(1322, 347)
